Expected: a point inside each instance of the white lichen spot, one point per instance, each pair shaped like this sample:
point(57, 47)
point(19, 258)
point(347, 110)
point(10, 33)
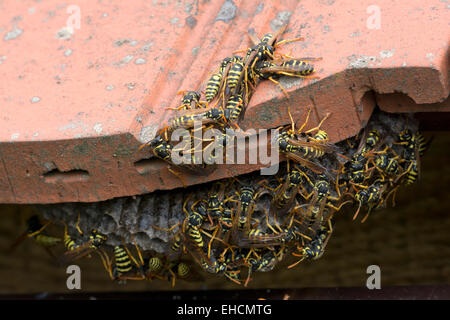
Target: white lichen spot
point(387, 53)
point(140, 61)
point(68, 52)
point(131, 85)
point(64, 33)
point(430, 57)
point(360, 61)
point(109, 87)
point(13, 34)
point(148, 133)
point(127, 59)
point(14, 136)
point(98, 128)
point(35, 99)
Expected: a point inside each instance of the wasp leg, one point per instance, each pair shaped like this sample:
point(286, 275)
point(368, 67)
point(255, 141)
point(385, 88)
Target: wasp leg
point(281, 87)
point(320, 124)
point(279, 43)
point(178, 175)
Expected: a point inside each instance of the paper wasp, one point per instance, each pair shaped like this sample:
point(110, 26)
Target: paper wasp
point(96, 240)
point(181, 270)
point(315, 248)
point(292, 68)
point(215, 83)
point(190, 100)
point(233, 108)
point(301, 148)
point(35, 231)
point(123, 268)
point(415, 146)
point(265, 263)
point(372, 197)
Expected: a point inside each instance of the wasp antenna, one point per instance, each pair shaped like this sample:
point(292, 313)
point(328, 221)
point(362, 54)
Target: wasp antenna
point(143, 145)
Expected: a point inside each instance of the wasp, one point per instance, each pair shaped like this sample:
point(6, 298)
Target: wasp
point(215, 114)
point(265, 263)
point(69, 243)
point(194, 220)
point(292, 68)
point(123, 268)
point(35, 231)
point(264, 49)
point(244, 210)
point(356, 168)
point(234, 76)
point(215, 201)
point(234, 108)
point(285, 196)
point(319, 147)
point(258, 73)
point(293, 152)
point(96, 240)
point(412, 172)
point(161, 148)
point(234, 261)
point(226, 219)
point(214, 266)
point(187, 121)
point(215, 83)
point(316, 247)
point(372, 197)
point(182, 270)
point(370, 142)
point(190, 100)
point(300, 149)
point(123, 262)
point(387, 164)
point(415, 146)
point(213, 86)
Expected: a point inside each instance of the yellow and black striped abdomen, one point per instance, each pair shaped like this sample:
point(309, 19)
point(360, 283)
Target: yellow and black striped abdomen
point(422, 143)
point(234, 75)
point(213, 86)
point(299, 66)
point(321, 135)
point(267, 37)
point(69, 243)
point(176, 242)
point(196, 236)
point(155, 264)
point(183, 270)
point(233, 108)
point(412, 174)
point(312, 152)
point(123, 262)
point(183, 121)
